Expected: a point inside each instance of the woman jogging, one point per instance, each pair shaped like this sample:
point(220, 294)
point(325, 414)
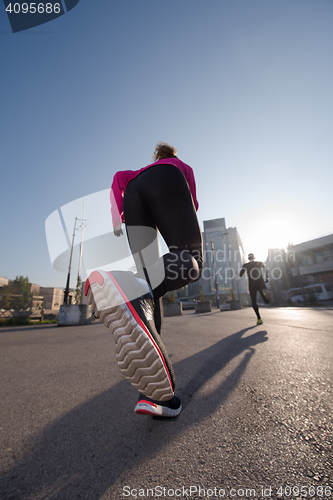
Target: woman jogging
point(159, 197)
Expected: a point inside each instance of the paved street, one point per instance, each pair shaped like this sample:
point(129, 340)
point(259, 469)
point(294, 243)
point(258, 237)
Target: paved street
point(257, 411)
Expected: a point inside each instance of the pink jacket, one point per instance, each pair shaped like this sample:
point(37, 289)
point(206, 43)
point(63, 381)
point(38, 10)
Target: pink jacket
point(123, 178)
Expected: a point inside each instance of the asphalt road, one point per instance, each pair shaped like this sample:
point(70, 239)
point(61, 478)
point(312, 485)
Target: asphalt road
point(256, 419)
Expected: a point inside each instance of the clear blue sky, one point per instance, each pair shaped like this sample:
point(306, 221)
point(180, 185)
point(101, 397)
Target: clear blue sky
point(242, 88)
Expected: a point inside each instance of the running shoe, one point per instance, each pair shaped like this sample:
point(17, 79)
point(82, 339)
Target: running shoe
point(259, 322)
point(125, 305)
point(148, 406)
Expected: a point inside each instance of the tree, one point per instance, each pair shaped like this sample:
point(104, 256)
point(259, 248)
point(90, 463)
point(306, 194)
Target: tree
point(16, 295)
point(78, 292)
point(5, 298)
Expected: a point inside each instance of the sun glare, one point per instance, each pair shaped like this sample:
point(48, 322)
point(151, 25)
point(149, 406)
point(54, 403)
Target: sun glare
point(271, 232)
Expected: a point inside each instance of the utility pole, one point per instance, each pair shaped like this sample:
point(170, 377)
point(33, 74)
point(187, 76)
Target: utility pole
point(81, 246)
point(237, 282)
point(215, 276)
point(69, 267)
point(78, 293)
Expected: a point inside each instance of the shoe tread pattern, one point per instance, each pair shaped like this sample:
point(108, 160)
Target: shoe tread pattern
point(137, 357)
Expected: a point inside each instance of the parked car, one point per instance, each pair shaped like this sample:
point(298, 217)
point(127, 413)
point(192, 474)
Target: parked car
point(321, 291)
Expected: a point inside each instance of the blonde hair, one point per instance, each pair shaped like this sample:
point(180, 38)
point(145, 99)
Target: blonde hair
point(164, 150)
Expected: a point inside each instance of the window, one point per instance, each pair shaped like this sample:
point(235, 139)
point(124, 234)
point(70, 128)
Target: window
point(327, 255)
point(319, 257)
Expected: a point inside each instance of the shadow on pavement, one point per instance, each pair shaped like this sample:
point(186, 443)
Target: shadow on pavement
point(82, 454)
point(10, 329)
point(215, 358)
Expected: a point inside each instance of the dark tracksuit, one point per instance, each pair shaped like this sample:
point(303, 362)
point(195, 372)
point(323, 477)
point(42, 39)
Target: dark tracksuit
point(256, 283)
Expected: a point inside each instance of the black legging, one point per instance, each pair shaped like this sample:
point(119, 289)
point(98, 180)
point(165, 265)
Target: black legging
point(253, 294)
point(160, 199)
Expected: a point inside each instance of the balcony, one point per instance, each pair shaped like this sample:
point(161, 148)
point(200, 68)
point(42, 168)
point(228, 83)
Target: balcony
point(322, 267)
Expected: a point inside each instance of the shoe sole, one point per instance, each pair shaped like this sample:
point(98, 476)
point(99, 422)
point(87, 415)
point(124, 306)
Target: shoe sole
point(137, 352)
point(148, 408)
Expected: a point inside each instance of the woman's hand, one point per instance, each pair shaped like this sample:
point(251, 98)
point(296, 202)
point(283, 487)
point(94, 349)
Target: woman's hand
point(117, 231)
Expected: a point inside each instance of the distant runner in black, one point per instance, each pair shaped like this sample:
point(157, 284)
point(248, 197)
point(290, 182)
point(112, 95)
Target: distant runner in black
point(256, 283)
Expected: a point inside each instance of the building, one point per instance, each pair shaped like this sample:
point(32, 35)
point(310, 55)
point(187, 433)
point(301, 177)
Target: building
point(54, 297)
point(14, 298)
point(223, 258)
point(312, 260)
point(34, 289)
point(280, 278)
point(4, 281)
point(47, 298)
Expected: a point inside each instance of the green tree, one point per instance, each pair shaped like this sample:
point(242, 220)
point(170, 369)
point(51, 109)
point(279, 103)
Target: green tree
point(5, 298)
point(17, 295)
point(78, 291)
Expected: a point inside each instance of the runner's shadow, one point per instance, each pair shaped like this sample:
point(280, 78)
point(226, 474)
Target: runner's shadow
point(213, 359)
point(83, 453)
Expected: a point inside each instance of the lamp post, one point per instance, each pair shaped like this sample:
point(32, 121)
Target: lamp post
point(237, 281)
point(69, 266)
point(81, 246)
point(215, 277)
point(66, 294)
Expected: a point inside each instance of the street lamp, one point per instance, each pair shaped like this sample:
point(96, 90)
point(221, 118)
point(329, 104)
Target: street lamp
point(69, 266)
point(215, 276)
point(66, 294)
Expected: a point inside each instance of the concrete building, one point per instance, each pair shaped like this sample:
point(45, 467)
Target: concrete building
point(313, 260)
point(223, 258)
point(4, 281)
point(34, 289)
point(54, 297)
point(280, 278)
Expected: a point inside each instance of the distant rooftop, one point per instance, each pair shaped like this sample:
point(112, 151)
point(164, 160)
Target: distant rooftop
point(324, 241)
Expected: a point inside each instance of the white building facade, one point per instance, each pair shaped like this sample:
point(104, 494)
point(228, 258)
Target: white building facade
point(223, 259)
